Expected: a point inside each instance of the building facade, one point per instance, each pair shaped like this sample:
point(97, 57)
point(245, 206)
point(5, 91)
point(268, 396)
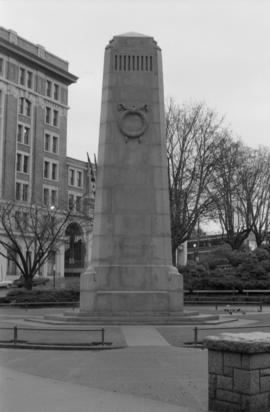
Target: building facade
point(34, 167)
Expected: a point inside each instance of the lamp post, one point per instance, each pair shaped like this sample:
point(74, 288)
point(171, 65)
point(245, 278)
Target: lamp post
point(52, 209)
point(54, 276)
point(194, 251)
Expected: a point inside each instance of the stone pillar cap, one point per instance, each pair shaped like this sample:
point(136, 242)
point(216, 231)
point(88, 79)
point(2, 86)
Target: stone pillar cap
point(253, 342)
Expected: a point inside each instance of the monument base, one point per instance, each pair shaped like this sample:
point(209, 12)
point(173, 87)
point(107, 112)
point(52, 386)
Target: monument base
point(145, 289)
point(130, 318)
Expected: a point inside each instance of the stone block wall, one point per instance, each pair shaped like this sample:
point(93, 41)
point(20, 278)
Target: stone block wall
point(239, 375)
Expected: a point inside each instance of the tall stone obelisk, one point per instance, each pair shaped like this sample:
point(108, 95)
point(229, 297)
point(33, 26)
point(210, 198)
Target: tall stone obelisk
point(131, 274)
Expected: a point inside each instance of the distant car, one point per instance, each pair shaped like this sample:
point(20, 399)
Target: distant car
point(37, 281)
point(6, 283)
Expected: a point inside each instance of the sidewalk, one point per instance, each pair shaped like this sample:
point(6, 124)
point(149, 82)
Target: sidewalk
point(138, 378)
point(149, 375)
point(26, 393)
point(143, 336)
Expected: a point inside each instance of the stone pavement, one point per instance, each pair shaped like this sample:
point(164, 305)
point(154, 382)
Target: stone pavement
point(25, 393)
point(148, 375)
point(143, 336)
point(141, 378)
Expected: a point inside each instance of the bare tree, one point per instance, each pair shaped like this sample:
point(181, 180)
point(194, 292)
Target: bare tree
point(260, 196)
point(192, 138)
point(29, 234)
point(231, 188)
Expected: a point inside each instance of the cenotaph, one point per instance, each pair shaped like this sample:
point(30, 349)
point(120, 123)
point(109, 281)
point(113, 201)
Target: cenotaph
point(131, 277)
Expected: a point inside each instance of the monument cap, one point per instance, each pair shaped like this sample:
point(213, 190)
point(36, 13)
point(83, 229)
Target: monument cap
point(132, 34)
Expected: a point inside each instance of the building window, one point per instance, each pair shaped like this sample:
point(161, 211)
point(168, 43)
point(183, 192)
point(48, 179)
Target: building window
point(22, 76)
point(50, 196)
point(48, 88)
point(21, 105)
point(75, 202)
point(26, 134)
point(21, 220)
point(22, 191)
point(47, 142)
point(78, 203)
point(51, 143)
point(17, 218)
point(50, 170)
point(25, 164)
point(51, 116)
point(54, 171)
point(24, 106)
point(22, 163)
point(70, 201)
point(71, 177)
point(29, 80)
point(18, 191)
point(25, 193)
point(23, 134)
point(79, 178)
point(25, 78)
point(1, 66)
point(46, 170)
point(1, 104)
point(55, 118)
point(19, 162)
point(54, 197)
point(75, 177)
point(46, 196)
point(55, 144)
point(27, 107)
point(20, 133)
point(48, 115)
point(56, 92)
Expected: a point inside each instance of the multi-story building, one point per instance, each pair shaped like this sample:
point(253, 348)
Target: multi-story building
point(34, 167)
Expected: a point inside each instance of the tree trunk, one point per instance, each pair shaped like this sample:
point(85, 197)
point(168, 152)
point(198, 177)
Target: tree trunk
point(174, 249)
point(28, 282)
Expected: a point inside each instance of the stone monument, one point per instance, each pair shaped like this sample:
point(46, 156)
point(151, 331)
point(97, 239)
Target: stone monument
point(131, 277)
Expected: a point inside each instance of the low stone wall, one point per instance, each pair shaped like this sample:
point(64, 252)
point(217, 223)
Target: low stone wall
point(239, 372)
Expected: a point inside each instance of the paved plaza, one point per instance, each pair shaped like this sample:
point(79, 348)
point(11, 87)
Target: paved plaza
point(150, 371)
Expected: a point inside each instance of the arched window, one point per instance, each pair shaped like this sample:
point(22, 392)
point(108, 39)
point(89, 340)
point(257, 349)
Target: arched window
point(75, 248)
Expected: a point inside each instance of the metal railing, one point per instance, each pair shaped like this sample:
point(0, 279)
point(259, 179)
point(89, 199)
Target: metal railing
point(218, 303)
point(15, 335)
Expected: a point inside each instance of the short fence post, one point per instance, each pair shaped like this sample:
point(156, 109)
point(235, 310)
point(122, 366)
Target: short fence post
point(15, 335)
point(102, 336)
point(195, 335)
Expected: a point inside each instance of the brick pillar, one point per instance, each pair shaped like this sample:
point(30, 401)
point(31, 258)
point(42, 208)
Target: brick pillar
point(239, 372)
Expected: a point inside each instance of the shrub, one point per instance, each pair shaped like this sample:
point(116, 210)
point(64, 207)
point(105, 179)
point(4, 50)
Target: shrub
point(37, 296)
point(235, 258)
point(266, 264)
point(261, 254)
point(248, 270)
point(215, 262)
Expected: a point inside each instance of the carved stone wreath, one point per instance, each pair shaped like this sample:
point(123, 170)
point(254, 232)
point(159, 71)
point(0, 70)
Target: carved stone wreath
point(132, 122)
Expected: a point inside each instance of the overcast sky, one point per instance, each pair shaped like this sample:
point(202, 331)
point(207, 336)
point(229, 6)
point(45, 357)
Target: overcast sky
point(216, 51)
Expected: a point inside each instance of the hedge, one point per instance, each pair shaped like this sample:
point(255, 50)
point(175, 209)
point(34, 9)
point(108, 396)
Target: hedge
point(39, 296)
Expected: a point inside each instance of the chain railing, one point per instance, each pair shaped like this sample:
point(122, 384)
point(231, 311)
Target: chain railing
point(16, 329)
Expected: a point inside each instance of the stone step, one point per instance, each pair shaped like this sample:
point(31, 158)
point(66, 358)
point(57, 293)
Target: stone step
point(131, 314)
point(125, 320)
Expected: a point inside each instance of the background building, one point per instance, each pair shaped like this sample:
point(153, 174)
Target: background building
point(34, 167)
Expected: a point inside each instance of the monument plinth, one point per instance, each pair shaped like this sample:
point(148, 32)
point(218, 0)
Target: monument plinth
point(131, 272)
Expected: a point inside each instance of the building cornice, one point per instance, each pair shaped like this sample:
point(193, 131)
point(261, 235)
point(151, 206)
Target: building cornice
point(22, 54)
